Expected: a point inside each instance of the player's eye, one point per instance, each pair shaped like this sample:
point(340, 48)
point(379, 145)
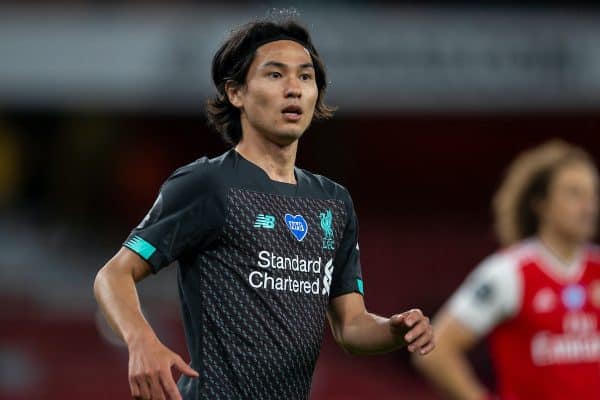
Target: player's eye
point(274, 74)
point(306, 77)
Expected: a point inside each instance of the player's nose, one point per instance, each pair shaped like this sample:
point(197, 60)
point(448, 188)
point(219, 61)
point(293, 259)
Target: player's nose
point(293, 88)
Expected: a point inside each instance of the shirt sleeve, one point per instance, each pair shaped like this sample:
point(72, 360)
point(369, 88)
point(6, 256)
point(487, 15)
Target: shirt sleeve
point(186, 217)
point(489, 295)
point(347, 273)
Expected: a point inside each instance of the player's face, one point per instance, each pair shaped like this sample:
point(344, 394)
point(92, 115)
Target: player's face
point(279, 98)
point(571, 207)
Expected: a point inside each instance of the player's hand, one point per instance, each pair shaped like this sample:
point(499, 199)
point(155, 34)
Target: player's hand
point(150, 376)
point(415, 330)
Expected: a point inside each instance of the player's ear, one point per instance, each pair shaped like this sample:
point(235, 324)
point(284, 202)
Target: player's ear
point(234, 92)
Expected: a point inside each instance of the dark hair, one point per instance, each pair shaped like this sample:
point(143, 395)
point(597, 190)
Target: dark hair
point(527, 181)
point(232, 62)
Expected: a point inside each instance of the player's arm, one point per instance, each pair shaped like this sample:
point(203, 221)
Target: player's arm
point(176, 224)
point(489, 295)
point(354, 328)
point(150, 361)
point(361, 332)
point(448, 367)
point(116, 294)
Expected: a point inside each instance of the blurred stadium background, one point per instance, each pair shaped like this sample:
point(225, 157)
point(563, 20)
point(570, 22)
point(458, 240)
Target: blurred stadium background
point(101, 100)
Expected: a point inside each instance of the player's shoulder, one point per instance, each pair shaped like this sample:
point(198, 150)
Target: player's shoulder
point(202, 168)
point(510, 259)
point(322, 186)
point(200, 176)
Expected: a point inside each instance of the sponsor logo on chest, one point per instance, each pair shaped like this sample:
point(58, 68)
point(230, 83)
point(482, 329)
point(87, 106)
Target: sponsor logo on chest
point(295, 273)
point(570, 334)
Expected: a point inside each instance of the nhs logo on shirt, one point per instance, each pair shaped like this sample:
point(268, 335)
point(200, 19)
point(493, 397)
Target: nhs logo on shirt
point(297, 225)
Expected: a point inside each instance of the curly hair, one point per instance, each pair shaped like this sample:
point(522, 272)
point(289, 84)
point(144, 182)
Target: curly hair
point(232, 62)
point(527, 181)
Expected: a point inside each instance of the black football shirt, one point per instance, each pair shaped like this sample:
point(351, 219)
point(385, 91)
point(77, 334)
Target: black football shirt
point(258, 263)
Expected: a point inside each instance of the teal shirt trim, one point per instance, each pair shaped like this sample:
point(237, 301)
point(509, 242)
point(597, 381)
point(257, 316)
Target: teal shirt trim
point(361, 288)
point(140, 246)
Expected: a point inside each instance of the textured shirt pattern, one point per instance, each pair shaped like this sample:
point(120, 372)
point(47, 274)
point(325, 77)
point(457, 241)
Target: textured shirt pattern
point(258, 263)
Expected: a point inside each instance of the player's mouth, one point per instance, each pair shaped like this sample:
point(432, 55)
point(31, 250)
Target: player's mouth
point(292, 113)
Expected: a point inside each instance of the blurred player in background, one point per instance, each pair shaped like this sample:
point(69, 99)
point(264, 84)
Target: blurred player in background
point(537, 299)
point(266, 250)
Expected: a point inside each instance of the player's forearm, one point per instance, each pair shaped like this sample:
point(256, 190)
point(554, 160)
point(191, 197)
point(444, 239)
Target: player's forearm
point(370, 334)
point(451, 372)
point(117, 296)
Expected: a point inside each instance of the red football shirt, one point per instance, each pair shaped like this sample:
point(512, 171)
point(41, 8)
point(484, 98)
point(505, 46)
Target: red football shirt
point(542, 320)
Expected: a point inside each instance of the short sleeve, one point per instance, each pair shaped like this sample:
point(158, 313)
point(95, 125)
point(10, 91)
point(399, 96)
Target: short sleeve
point(489, 295)
point(186, 217)
point(347, 273)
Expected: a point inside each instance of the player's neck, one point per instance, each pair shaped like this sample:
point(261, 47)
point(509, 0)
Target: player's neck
point(277, 161)
point(566, 250)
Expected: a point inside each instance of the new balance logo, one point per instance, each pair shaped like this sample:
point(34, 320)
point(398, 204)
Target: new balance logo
point(265, 221)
